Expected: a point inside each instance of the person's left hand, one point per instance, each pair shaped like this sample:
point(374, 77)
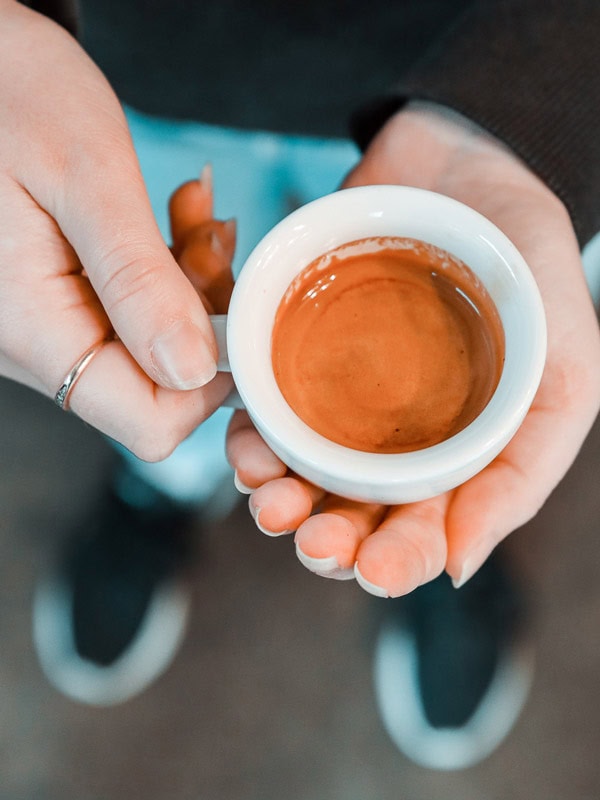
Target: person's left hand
point(392, 550)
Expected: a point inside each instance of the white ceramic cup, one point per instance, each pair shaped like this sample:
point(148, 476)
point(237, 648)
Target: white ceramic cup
point(380, 211)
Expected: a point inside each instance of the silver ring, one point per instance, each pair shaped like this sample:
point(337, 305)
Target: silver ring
point(61, 398)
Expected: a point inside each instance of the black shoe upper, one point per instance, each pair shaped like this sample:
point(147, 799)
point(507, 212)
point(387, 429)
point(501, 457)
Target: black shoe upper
point(114, 565)
point(460, 635)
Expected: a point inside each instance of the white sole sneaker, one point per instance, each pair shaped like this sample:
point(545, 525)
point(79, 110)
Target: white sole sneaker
point(148, 656)
point(398, 698)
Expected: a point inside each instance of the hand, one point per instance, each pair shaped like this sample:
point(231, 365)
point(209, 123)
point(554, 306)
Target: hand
point(81, 255)
point(393, 550)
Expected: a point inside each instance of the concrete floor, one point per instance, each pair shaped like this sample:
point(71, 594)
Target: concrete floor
point(271, 696)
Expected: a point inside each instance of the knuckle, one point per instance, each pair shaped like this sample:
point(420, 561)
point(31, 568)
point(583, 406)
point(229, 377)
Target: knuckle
point(126, 272)
point(157, 437)
point(428, 556)
point(153, 447)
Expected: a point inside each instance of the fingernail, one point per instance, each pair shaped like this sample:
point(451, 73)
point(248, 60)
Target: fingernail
point(183, 357)
point(206, 176)
point(463, 577)
point(228, 239)
point(215, 243)
point(327, 567)
point(468, 570)
point(255, 512)
point(472, 563)
point(240, 486)
point(372, 588)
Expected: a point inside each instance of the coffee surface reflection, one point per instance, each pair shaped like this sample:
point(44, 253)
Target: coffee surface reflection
point(387, 345)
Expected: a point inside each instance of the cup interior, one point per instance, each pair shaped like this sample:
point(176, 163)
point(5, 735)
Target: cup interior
point(383, 211)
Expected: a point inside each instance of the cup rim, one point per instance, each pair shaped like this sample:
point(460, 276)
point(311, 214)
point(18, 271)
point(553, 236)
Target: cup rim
point(391, 477)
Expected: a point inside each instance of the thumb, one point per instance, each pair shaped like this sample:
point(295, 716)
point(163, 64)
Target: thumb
point(103, 210)
point(65, 140)
point(149, 301)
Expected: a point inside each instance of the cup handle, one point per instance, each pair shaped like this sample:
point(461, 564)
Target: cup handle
point(219, 326)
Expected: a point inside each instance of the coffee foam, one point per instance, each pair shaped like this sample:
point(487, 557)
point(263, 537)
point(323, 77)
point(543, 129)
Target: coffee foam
point(387, 345)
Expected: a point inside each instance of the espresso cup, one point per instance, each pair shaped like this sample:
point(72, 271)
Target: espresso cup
point(373, 212)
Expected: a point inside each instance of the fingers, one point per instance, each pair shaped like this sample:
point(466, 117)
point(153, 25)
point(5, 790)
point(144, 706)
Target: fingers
point(51, 315)
point(203, 247)
point(389, 551)
point(253, 461)
point(85, 175)
point(80, 201)
point(150, 303)
point(117, 397)
point(205, 258)
point(328, 542)
point(190, 205)
point(278, 502)
point(407, 549)
point(281, 505)
point(513, 488)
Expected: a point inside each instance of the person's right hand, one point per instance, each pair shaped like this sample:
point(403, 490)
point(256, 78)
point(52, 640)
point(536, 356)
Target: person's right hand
point(392, 550)
point(81, 255)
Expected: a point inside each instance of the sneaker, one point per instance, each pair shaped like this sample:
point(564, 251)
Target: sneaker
point(453, 669)
point(110, 619)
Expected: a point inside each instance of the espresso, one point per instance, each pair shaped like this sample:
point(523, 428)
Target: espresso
point(387, 345)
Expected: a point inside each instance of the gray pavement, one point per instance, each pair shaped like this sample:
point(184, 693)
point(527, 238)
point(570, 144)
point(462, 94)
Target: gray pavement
point(270, 696)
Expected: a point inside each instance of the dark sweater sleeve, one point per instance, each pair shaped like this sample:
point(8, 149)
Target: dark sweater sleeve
point(528, 71)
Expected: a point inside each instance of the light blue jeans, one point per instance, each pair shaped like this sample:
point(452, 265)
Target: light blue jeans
point(258, 178)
